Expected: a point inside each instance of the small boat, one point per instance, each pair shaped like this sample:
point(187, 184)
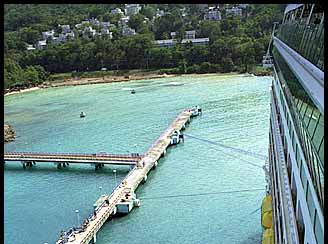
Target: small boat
point(133, 91)
point(82, 114)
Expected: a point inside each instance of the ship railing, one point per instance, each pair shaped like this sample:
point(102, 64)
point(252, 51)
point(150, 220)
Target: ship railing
point(306, 39)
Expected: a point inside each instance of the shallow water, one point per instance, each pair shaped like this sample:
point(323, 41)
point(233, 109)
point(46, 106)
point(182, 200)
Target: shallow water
point(40, 202)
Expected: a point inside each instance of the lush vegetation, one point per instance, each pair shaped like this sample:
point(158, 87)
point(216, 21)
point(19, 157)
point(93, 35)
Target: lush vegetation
point(236, 44)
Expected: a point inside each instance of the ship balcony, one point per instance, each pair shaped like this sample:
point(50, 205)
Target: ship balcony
point(305, 39)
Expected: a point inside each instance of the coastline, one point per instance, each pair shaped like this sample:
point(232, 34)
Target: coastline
point(112, 79)
point(89, 81)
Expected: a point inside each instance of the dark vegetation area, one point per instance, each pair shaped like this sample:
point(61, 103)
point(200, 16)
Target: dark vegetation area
point(235, 43)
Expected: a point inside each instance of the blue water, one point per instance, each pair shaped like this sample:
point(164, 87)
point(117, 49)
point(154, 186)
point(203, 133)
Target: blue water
point(41, 201)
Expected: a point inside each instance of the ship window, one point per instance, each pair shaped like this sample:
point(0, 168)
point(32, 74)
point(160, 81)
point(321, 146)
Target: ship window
point(289, 125)
point(318, 132)
point(286, 114)
point(300, 225)
point(302, 109)
point(318, 231)
point(311, 205)
point(294, 141)
point(297, 155)
point(307, 114)
point(299, 104)
point(303, 177)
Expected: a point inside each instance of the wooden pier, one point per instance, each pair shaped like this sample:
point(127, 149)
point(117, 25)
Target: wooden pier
point(62, 159)
point(123, 197)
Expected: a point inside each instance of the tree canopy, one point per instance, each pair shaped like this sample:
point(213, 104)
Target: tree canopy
point(236, 43)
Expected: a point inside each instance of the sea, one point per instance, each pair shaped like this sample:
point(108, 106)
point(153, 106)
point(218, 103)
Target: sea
point(207, 189)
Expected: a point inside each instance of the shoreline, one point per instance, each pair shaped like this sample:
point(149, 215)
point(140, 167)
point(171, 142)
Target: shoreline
point(90, 81)
point(112, 79)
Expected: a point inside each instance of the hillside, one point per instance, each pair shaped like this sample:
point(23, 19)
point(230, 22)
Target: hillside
point(114, 36)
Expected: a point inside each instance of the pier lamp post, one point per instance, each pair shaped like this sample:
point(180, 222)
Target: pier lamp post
point(114, 171)
point(78, 216)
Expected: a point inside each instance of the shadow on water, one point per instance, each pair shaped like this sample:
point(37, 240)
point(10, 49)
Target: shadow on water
point(254, 238)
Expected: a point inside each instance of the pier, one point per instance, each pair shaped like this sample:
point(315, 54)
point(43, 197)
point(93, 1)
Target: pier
point(28, 159)
point(123, 197)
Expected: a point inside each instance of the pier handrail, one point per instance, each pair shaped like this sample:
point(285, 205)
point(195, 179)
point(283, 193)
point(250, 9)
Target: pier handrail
point(101, 157)
point(130, 182)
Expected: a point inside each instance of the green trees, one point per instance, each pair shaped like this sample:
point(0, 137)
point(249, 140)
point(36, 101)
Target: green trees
point(235, 44)
point(14, 75)
point(148, 11)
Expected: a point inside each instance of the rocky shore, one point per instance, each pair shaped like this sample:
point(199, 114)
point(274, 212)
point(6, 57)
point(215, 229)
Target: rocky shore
point(9, 133)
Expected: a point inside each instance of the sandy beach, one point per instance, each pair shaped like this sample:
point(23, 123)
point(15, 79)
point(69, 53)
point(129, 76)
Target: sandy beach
point(98, 80)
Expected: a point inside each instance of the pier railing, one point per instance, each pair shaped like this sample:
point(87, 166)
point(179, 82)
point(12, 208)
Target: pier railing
point(72, 156)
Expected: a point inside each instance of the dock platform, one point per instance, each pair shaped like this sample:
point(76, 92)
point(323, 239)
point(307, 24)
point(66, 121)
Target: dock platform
point(124, 193)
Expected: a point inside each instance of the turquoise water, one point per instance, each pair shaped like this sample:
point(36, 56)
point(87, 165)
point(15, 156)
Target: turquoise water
point(41, 201)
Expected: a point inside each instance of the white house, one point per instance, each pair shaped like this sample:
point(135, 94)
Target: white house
point(172, 42)
point(41, 44)
point(190, 34)
point(105, 31)
point(243, 6)
point(70, 35)
point(48, 34)
point(127, 31)
point(131, 9)
point(116, 11)
point(213, 13)
point(124, 21)
point(173, 35)
point(234, 11)
point(197, 41)
point(30, 47)
point(89, 31)
point(105, 24)
point(94, 21)
point(159, 13)
point(65, 28)
point(165, 43)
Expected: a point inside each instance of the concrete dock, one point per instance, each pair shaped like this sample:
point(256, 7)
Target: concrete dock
point(123, 197)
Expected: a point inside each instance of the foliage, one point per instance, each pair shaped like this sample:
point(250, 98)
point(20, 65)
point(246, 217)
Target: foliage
point(236, 44)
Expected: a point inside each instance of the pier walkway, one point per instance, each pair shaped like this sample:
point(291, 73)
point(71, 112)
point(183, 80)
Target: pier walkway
point(123, 198)
point(101, 158)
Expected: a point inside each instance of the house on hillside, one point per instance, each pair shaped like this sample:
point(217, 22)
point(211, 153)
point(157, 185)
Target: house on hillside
point(41, 44)
point(131, 9)
point(48, 34)
point(212, 13)
point(116, 11)
point(94, 21)
point(127, 31)
point(234, 11)
point(65, 28)
point(106, 32)
point(30, 47)
point(105, 24)
point(89, 31)
point(159, 13)
point(123, 21)
point(190, 34)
